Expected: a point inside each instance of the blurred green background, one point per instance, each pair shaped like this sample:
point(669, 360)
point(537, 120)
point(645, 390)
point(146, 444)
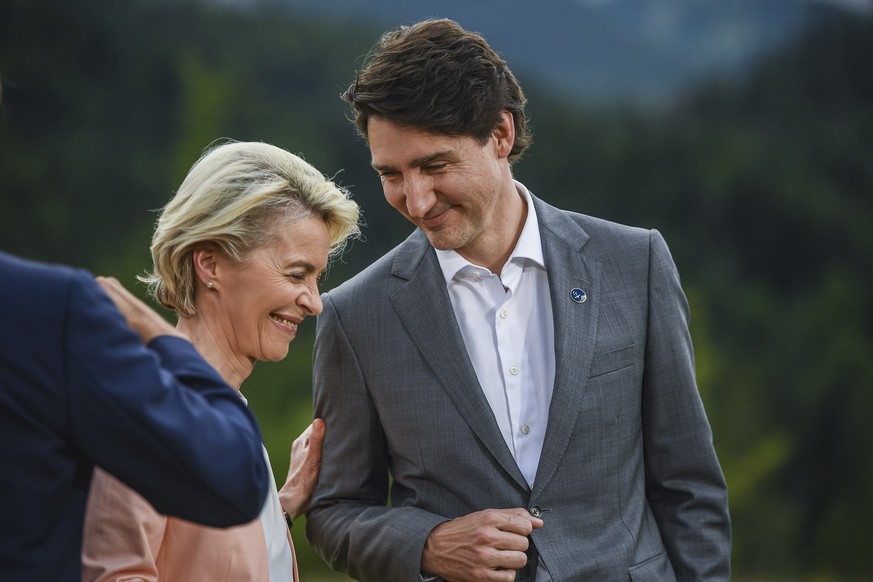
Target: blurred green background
point(760, 179)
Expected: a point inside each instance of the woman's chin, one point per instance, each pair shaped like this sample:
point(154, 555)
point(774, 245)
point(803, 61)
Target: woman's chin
point(276, 354)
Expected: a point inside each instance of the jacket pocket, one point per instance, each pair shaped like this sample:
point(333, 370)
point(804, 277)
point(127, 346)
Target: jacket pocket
point(613, 360)
point(657, 568)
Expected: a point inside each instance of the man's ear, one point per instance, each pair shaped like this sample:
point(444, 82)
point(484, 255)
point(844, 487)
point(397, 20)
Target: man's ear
point(504, 133)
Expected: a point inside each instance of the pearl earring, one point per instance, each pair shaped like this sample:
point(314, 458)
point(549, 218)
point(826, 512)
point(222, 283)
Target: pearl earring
point(209, 284)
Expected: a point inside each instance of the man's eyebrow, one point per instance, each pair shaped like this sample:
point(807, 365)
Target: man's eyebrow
point(417, 162)
point(380, 167)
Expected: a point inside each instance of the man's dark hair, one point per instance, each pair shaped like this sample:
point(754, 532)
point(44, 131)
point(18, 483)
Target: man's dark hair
point(438, 77)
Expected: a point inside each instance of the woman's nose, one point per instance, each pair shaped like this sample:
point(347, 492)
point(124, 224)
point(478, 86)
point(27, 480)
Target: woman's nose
point(310, 300)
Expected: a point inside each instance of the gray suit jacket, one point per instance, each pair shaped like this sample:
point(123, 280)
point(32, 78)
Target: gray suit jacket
point(628, 483)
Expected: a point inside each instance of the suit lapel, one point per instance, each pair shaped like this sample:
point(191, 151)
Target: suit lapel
point(425, 309)
point(575, 329)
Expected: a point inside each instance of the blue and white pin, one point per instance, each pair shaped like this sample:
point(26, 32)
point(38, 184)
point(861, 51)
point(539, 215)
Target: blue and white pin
point(578, 295)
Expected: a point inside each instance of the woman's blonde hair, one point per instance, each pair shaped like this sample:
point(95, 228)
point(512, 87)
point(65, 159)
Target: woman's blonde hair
point(231, 198)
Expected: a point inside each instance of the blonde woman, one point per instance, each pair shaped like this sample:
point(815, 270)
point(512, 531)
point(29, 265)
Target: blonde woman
point(237, 254)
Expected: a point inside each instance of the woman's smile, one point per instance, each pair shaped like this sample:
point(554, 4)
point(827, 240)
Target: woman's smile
point(284, 324)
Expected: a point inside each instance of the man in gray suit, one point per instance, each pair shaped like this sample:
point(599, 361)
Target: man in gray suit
point(510, 392)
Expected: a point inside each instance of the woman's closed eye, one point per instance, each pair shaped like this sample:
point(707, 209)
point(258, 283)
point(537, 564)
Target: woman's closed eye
point(309, 279)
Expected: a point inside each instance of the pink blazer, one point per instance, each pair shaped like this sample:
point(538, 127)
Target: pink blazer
point(126, 540)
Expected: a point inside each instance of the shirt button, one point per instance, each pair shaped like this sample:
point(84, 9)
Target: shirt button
point(514, 371)
point(504, 314)
point(525, 429)
point(476, 274)
point(536, 511)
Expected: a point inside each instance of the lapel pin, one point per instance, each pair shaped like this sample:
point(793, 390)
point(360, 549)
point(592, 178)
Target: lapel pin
point(578, 295)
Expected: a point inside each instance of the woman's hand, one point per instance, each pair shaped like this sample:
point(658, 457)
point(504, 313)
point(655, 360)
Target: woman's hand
point(140, 317)
point(303, 470)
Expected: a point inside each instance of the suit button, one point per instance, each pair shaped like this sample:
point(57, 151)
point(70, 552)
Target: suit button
point(536, 511)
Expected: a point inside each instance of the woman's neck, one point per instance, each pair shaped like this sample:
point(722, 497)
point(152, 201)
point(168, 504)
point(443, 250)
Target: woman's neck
point(212, 343)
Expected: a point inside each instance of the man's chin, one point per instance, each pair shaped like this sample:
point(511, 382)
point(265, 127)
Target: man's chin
point(441, 242)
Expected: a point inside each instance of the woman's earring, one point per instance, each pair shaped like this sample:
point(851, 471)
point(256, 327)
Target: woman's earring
point(209, 284)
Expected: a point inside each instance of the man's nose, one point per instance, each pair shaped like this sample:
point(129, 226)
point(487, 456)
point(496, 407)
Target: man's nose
point(419, 195)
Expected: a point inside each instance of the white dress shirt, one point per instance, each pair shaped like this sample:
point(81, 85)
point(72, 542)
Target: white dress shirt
point(506, 322)
point(507, 325)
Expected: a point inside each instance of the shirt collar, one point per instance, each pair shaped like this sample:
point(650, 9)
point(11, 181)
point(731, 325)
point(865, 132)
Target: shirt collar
point(529, 245)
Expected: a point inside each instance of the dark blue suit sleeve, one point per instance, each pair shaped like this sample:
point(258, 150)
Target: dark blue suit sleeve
point(160, 419)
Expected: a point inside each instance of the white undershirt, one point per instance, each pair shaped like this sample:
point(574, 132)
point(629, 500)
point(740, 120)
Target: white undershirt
point(506, 322)
point(279, 556)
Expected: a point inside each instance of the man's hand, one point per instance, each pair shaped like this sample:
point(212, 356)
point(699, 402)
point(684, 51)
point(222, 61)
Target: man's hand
point(139, 316)
point(303, 470)
point(486, 545)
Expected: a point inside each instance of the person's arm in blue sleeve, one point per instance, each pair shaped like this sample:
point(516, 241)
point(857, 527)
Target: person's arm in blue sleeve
point(159, 418)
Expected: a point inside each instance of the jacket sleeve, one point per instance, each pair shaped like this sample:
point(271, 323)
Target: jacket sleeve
point(684, 482)
point(349, 523)
point(122, 536)
point(159, 418)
